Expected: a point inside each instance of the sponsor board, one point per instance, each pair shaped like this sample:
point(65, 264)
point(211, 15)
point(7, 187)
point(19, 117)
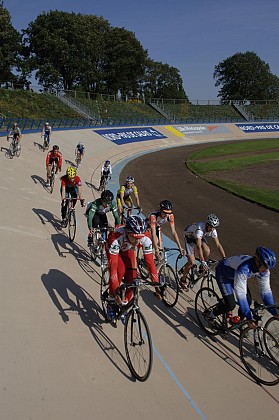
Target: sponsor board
point(130, 135)
point(258, 128)
point(194, 130)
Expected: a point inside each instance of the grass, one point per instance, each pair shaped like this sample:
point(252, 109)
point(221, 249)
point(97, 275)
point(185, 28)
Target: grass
point(253, 156)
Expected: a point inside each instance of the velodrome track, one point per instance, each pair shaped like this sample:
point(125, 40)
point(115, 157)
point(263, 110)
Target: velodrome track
point(59, 360)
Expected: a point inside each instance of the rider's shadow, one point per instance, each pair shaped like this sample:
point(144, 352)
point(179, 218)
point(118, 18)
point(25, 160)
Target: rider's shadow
point(47, 217)
point(64, 291)
point(65, 247)
point(92, 186)
point(69, 162)
point(38, 145)
point(39, 180)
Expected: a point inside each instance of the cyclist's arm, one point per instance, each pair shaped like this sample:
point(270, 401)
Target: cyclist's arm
point(117, 220)
point(175, 236)
point(240, 287)
point(80, 192)
point(136, 194)
point(59, 163)
point(154, 237)
point(91, 215)
point(146, 244)
point(63, 192)
point(219, 247)
point(121, 196)
point(47, 159)
point(265, 290)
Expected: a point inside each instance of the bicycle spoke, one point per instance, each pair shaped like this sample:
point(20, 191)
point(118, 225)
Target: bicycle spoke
point(257, 347)
point(170, 289)
point(138, 345)
point(205, 300)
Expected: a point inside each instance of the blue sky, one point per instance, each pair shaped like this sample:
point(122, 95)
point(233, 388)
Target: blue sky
point(191, 35)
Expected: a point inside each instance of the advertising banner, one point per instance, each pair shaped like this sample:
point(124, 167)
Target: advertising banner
point(130, 135)
point(258, 128)
point(201, 129)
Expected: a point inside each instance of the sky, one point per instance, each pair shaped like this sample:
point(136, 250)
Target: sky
point(192, 35)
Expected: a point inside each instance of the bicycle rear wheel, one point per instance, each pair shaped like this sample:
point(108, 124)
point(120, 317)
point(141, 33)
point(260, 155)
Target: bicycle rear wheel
point(170, 288)
point(205, 300)
point(94, 247)
point(104, 291)
point(258, 351)
point(138, 345)
point(142, 267)
point(72, 224)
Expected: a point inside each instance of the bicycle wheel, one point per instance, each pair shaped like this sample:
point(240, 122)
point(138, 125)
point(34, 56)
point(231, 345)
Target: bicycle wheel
point(170, 288)
point(94, 247)
point(179, 264)
point(18, 149)
point(258, 350)
point(11, 150)
point(205, 300)
point(209, 281)
point(72, 225)
point(272, 325)
point(104, 288)
point(142, 267)
point(104, 260)
point(271, 340)
point(138, 345)
point(51, 181)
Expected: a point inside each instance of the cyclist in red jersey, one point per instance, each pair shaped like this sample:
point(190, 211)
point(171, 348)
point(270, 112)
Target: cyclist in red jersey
point(70, 188)
point(121, 245)
point(53, 156)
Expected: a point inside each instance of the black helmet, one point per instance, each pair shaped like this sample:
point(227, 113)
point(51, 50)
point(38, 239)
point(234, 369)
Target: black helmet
point(166, 206)
point(55, 147)
point(267, 256)
point(107, 196)
point(136, 225)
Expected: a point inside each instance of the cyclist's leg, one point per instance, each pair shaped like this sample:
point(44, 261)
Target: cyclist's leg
point(129, 203)
point(129, 260)
point(64, 207)
point(74, 194)
point(190, 254)
point(205, 249)
point(48, 170)
point(225, 281)
point(103, 224)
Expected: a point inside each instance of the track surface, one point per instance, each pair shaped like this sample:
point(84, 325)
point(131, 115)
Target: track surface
point(59, 360)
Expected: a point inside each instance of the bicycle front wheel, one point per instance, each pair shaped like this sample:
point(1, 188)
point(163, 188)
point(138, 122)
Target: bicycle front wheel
point(94, 247)
point(142, 267)
point(210, 281)
point(11, 150)
point(258, 352)
point(272, 325)
point(51, 181)
point(138, 345)
point(206, 299)
point(169, 288)
point(72, 225)
point(104, 291)
point(18, 149)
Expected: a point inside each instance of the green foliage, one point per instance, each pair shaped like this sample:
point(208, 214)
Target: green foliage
point(245, 76)
point(9, 46)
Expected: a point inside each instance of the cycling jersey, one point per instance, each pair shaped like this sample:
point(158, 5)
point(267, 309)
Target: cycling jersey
point(154, 219)
point(80, 148)
point(70, 183)
point(198, 230)
point(127, 191)
point(51, 157)
point(233, 273)
point(15, 132)
point(106, 170)
point(122, 258)
point(96, 207)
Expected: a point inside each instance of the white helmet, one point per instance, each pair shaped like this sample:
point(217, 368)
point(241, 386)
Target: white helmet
point(213, 220)
point(46, 123)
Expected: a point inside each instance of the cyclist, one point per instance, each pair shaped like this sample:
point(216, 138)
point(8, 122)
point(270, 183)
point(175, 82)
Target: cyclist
point(156, 220)
point(53, 156)
point(96, 212)
point(232, 275)
point(124, 195)
point(15, 133)
point(120, 246)
point(106, 172)
point(79, 150)
point(46, 132)
point(70, 188)
point(195, 237)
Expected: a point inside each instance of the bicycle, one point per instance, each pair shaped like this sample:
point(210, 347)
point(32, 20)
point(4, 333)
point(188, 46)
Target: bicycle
point(15, 147)
point(78, 158)
point(258, 347)
point(127, 211)
point(97, 245)
point(195, 274)
point(104, 183)
point(168, 279)
point(71, 218)
point(46, 142)
point(137, 337)
point(52, 176)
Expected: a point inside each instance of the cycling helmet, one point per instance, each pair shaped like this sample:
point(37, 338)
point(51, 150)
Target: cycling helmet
point(81, 144)
point(14, 125)
point(107, 196)
point(267, 256)
point(136, 226)
point(71, 172)
point(107, 162)
point(166, 206)
point(130, 179)
point(213, 220)
point(55, 147)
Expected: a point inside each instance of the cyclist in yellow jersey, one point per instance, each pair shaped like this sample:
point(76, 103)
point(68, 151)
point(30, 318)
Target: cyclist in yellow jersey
point(124, 195)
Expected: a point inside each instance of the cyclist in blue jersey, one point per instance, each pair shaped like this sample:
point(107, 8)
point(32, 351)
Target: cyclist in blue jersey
point(232, 276)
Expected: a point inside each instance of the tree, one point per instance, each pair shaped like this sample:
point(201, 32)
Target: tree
point(125, 59)
point(64, 48)
point(244, 76)
point(162, 81)
point(9, 46)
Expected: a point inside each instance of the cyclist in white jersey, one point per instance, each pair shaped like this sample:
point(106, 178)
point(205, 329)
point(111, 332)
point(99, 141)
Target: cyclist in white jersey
point(195, 239)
